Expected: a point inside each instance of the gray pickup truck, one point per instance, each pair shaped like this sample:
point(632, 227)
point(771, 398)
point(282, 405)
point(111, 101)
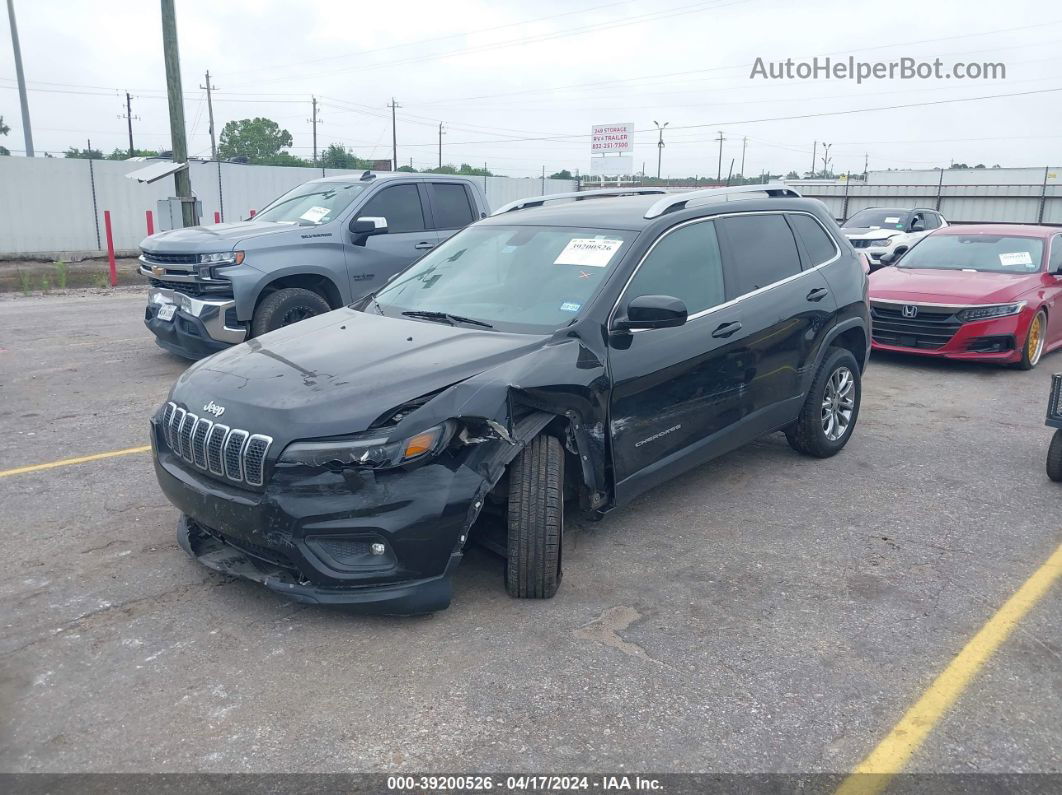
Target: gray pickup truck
point(316, 248)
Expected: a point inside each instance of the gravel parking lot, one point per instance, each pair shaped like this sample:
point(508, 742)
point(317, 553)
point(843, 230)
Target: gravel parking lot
point(766, 612)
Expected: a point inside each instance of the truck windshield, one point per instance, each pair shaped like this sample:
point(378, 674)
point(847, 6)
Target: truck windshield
point(529, 279)
point(311, 204)
point(998, 253)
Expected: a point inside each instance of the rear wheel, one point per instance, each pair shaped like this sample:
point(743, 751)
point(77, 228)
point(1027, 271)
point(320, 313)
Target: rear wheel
point(832, 406)
point(1033, 348)
point(285, 307)
point(1054, 458)
point(536, 520)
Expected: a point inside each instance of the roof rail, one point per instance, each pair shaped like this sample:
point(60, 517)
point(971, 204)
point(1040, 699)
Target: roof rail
point(678, 201)
point(538, 201)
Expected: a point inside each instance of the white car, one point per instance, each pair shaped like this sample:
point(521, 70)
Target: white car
point(889, 230)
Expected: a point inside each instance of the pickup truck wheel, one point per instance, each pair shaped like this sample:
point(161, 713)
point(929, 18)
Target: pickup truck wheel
point(1054, 457)
point(832, 406)
point(536, 520)
point(285, 307)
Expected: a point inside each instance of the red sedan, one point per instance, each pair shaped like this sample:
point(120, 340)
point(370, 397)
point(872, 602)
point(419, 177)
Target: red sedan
point(973, 292)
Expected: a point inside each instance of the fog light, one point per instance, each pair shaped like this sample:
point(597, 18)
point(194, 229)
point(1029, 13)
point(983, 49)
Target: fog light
point(378, 548)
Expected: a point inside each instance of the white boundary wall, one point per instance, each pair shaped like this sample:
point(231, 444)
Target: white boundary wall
point(56, 205)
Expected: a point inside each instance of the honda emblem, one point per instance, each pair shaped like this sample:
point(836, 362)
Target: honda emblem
point(910, 311)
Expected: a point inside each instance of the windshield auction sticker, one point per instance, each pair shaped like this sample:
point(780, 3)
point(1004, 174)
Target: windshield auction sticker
point(593, 252)
point(315, 214)
point(1015, 258)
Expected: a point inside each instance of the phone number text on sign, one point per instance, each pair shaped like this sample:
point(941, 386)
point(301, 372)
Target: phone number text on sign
point(612, 138)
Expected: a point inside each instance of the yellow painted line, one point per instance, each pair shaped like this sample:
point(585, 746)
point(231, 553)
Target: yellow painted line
point(873, 774)
point(4, 473)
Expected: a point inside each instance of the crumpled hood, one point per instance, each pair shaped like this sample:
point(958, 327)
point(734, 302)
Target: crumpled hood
point(213, 238)
point(946, 286)
point(336, 373)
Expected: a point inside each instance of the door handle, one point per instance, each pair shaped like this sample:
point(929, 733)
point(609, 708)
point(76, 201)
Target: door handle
point(818, 294)
point(726, 329)
point(424, 245)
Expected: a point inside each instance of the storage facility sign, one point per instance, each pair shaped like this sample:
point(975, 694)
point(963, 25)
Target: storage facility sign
point(611, 138)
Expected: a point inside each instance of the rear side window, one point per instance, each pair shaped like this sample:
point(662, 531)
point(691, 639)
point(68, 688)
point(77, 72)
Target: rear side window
point(1055, 264)
point(760, 251)
point(684, 264)
point(818, 244)
point(400, 205)
point(451, 206)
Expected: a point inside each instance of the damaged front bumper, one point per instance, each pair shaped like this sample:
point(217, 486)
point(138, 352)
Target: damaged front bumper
point(385, 541)
point(227, 555)
point(196, 327)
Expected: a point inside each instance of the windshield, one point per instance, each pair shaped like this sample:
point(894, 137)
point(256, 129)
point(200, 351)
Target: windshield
point(998, 253)
point(877, 219)
point(532, 279)
point(311, 204)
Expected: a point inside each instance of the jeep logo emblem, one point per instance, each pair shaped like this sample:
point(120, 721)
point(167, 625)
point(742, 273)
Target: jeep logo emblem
point(910, 311)
point(214, 408)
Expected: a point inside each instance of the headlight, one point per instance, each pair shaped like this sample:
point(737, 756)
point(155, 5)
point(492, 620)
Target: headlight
point(881, 241)
point(371, 450)
point(987, 312)
point(222, 258)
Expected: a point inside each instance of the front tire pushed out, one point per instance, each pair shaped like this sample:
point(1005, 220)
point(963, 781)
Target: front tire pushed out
point(829, 413)
point(536, 520)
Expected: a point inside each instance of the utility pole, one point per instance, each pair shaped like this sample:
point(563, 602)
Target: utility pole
point(129, 118)
point(825, 158)
point(814, 146)
point(394, 135)
point(314, 120)
point(440, 143)
point(210, 115)
point(660, 145)
point(175, 95)
point(21, 78)
point(719, 171)
point(866, 162)
point(744, 143)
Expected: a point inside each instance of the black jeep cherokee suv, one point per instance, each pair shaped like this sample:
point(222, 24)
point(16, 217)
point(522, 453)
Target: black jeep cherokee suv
point(569, 350)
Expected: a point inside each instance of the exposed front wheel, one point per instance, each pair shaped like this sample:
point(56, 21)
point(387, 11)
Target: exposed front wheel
point(536, 520)
point(285, 307)
point(830, 411)
point(1034, 342)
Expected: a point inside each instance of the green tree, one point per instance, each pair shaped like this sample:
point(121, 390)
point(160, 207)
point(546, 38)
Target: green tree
point(256, 139)
point(123, 154)
point(4, 130)
point(84, 154)
point(562, 174)
point(338, 156)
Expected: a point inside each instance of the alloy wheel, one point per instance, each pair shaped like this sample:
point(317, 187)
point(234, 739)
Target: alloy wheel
point(1034, 344)
point(838, 403)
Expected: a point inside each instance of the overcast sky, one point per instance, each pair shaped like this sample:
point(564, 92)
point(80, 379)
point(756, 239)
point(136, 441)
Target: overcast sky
point(518, 84)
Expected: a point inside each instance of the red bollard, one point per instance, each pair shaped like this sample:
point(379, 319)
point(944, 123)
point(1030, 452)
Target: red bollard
point(110, 248)
point(217, 217)
point(253, 212)
point(150, 222)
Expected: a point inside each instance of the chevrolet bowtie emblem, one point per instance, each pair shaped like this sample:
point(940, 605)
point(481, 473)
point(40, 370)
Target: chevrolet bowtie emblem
point(158, 271)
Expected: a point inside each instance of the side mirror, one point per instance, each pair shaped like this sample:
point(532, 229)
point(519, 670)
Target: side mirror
point(652, 311)
point(888, 258)
point(369, 225)
point(918, 226)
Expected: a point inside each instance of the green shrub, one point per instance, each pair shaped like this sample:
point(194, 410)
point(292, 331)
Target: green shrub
point(60, 273)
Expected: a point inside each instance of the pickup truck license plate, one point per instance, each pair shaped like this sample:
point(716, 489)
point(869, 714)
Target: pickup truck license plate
point(166, 311)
